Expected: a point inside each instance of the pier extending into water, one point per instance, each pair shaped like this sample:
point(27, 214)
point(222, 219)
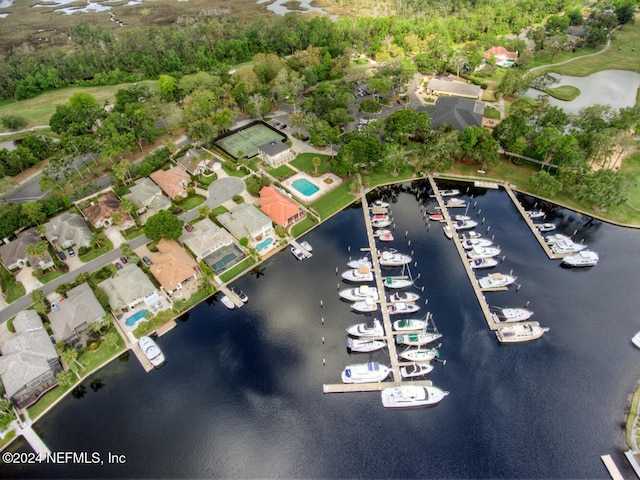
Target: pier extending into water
point(465, 261)
point(389, 335)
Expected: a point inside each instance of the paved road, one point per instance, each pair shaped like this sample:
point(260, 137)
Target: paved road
point(24, 302)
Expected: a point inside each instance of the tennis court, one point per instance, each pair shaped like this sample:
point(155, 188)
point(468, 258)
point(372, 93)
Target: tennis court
point(247, 140)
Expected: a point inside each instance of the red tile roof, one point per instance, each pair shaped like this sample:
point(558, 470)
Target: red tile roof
point(277, 207)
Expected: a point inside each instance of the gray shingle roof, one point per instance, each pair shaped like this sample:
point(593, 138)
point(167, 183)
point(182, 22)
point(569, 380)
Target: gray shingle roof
point(81, 306)
point(68, 229)
point(128, 285)
point(457, 112)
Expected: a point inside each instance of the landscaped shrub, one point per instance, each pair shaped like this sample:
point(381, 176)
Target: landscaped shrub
point(238, 199)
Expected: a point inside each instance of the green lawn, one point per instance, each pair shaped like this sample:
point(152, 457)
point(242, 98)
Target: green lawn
point(97, 252)
point(11, 289)
point(282, 172)
point(565, 92)
point(192, 202)
point(304, 162)
point(37, 111)
point(333, 201)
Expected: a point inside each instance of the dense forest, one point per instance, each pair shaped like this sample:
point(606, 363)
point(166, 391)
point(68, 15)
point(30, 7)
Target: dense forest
point(93, 55)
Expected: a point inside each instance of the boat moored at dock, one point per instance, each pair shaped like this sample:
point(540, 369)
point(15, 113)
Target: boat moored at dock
point(409, 324)
point(417, 339)
point(360, 330)
point(483, 252)
point(365, 373)
point(358, 294)
point(363, 345)
point(393, 283)
point(520, 332)
point(416, 370)
point(403, 297)
point(356, 275)
point(584, 258)
point(411, 396)
point(151, 350)
point(483, 263)
point(509, 315)
point(496, 280)
point(402, 308)
point(394, 259)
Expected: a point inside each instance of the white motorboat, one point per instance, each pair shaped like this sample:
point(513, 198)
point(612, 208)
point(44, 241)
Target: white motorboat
point(496, 280)
point(470, 235)
point(448, 231)
point(416, 370)
point(636, 339)
point(394, 259)
point(306, 245)
point(509, 315)
point(417, 339)
point(461, 217)
point(567, 246)
point(409, 324)
point(411, 396)
point(151, 350)
point(360, 262)
point(419, 355)
point(520, 332)
point(535, 214)
point(551, 239)
point(584, 258)
point(465, 224)
point(452, 192)
point(402, 308)
point(476, 242)
point(483, 252)
point(381, 231)
point(403, 297)
point(240, 294)
point(386, 237)
point(396, 282)
point(545, 227)
point(358, 294)
point(365, 373)
point(380, 203)
point(362, 274)
point(377, 223)
point(367, 330)
point(297, 253)
point(365, 306)
point(455, 203)
point(483, 263)
point(227, 302)
point(363, 345)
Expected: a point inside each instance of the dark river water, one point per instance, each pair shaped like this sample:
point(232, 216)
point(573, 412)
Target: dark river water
point(241, 393)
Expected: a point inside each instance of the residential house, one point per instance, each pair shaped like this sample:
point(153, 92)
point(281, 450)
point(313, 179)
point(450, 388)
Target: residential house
point(173, 182)
point(502, 56)
point(14, 254)
point(282, 210)
point(172, 266)
point(128, 288)
point(101, 213)
point(147, 198)
point(198, 161)
point(246, 221)
point(67, 230)
point(70, 317)
point(275, 153)
point(29, 361)
point(457, 112)
point(205, 238)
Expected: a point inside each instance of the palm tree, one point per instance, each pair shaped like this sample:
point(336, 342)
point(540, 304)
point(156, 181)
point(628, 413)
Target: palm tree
point(316, 163)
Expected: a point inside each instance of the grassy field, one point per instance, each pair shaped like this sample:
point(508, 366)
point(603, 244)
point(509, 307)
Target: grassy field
point(623, 54)
point(565, 92)
point(37, 111)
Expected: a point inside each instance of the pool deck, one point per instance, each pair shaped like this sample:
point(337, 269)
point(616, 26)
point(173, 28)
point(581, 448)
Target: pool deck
point(320, 182)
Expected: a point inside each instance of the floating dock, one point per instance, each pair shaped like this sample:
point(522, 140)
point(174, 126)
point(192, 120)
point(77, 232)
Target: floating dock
point(536, 233)
point(465, 261)
point(386, 320)
point(611, 467)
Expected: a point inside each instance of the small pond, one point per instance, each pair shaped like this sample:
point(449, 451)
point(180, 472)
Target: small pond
point(617, 88)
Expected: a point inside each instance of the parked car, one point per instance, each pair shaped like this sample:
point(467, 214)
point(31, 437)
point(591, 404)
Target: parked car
point(188, 227)
point(146, 260)
point(70, 251)
point(118, 266)
point(61, 256)
point(275, 124)
point(283, 126)
point(124, 259)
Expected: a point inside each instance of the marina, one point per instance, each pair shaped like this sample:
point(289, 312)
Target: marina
point(257, 371)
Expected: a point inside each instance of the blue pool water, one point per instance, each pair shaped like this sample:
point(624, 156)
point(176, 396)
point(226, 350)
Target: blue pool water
point(265, 243)
point(134, 318)
point(305, 187)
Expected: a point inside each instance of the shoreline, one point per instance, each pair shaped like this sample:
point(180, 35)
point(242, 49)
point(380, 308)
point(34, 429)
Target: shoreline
point(435, 175)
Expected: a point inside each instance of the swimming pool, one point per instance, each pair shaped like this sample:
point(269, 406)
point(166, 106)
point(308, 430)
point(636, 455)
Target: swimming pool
point(264, 244)
point(305, 187)
point(130, 322)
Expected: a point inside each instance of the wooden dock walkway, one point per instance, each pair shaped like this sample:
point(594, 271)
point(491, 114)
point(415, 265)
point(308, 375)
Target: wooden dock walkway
point(389, 335)
point(465, 261)
point(536, 233)
point(611, 467)
point(220, 285)
point(162, 329)
point(33, 440)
